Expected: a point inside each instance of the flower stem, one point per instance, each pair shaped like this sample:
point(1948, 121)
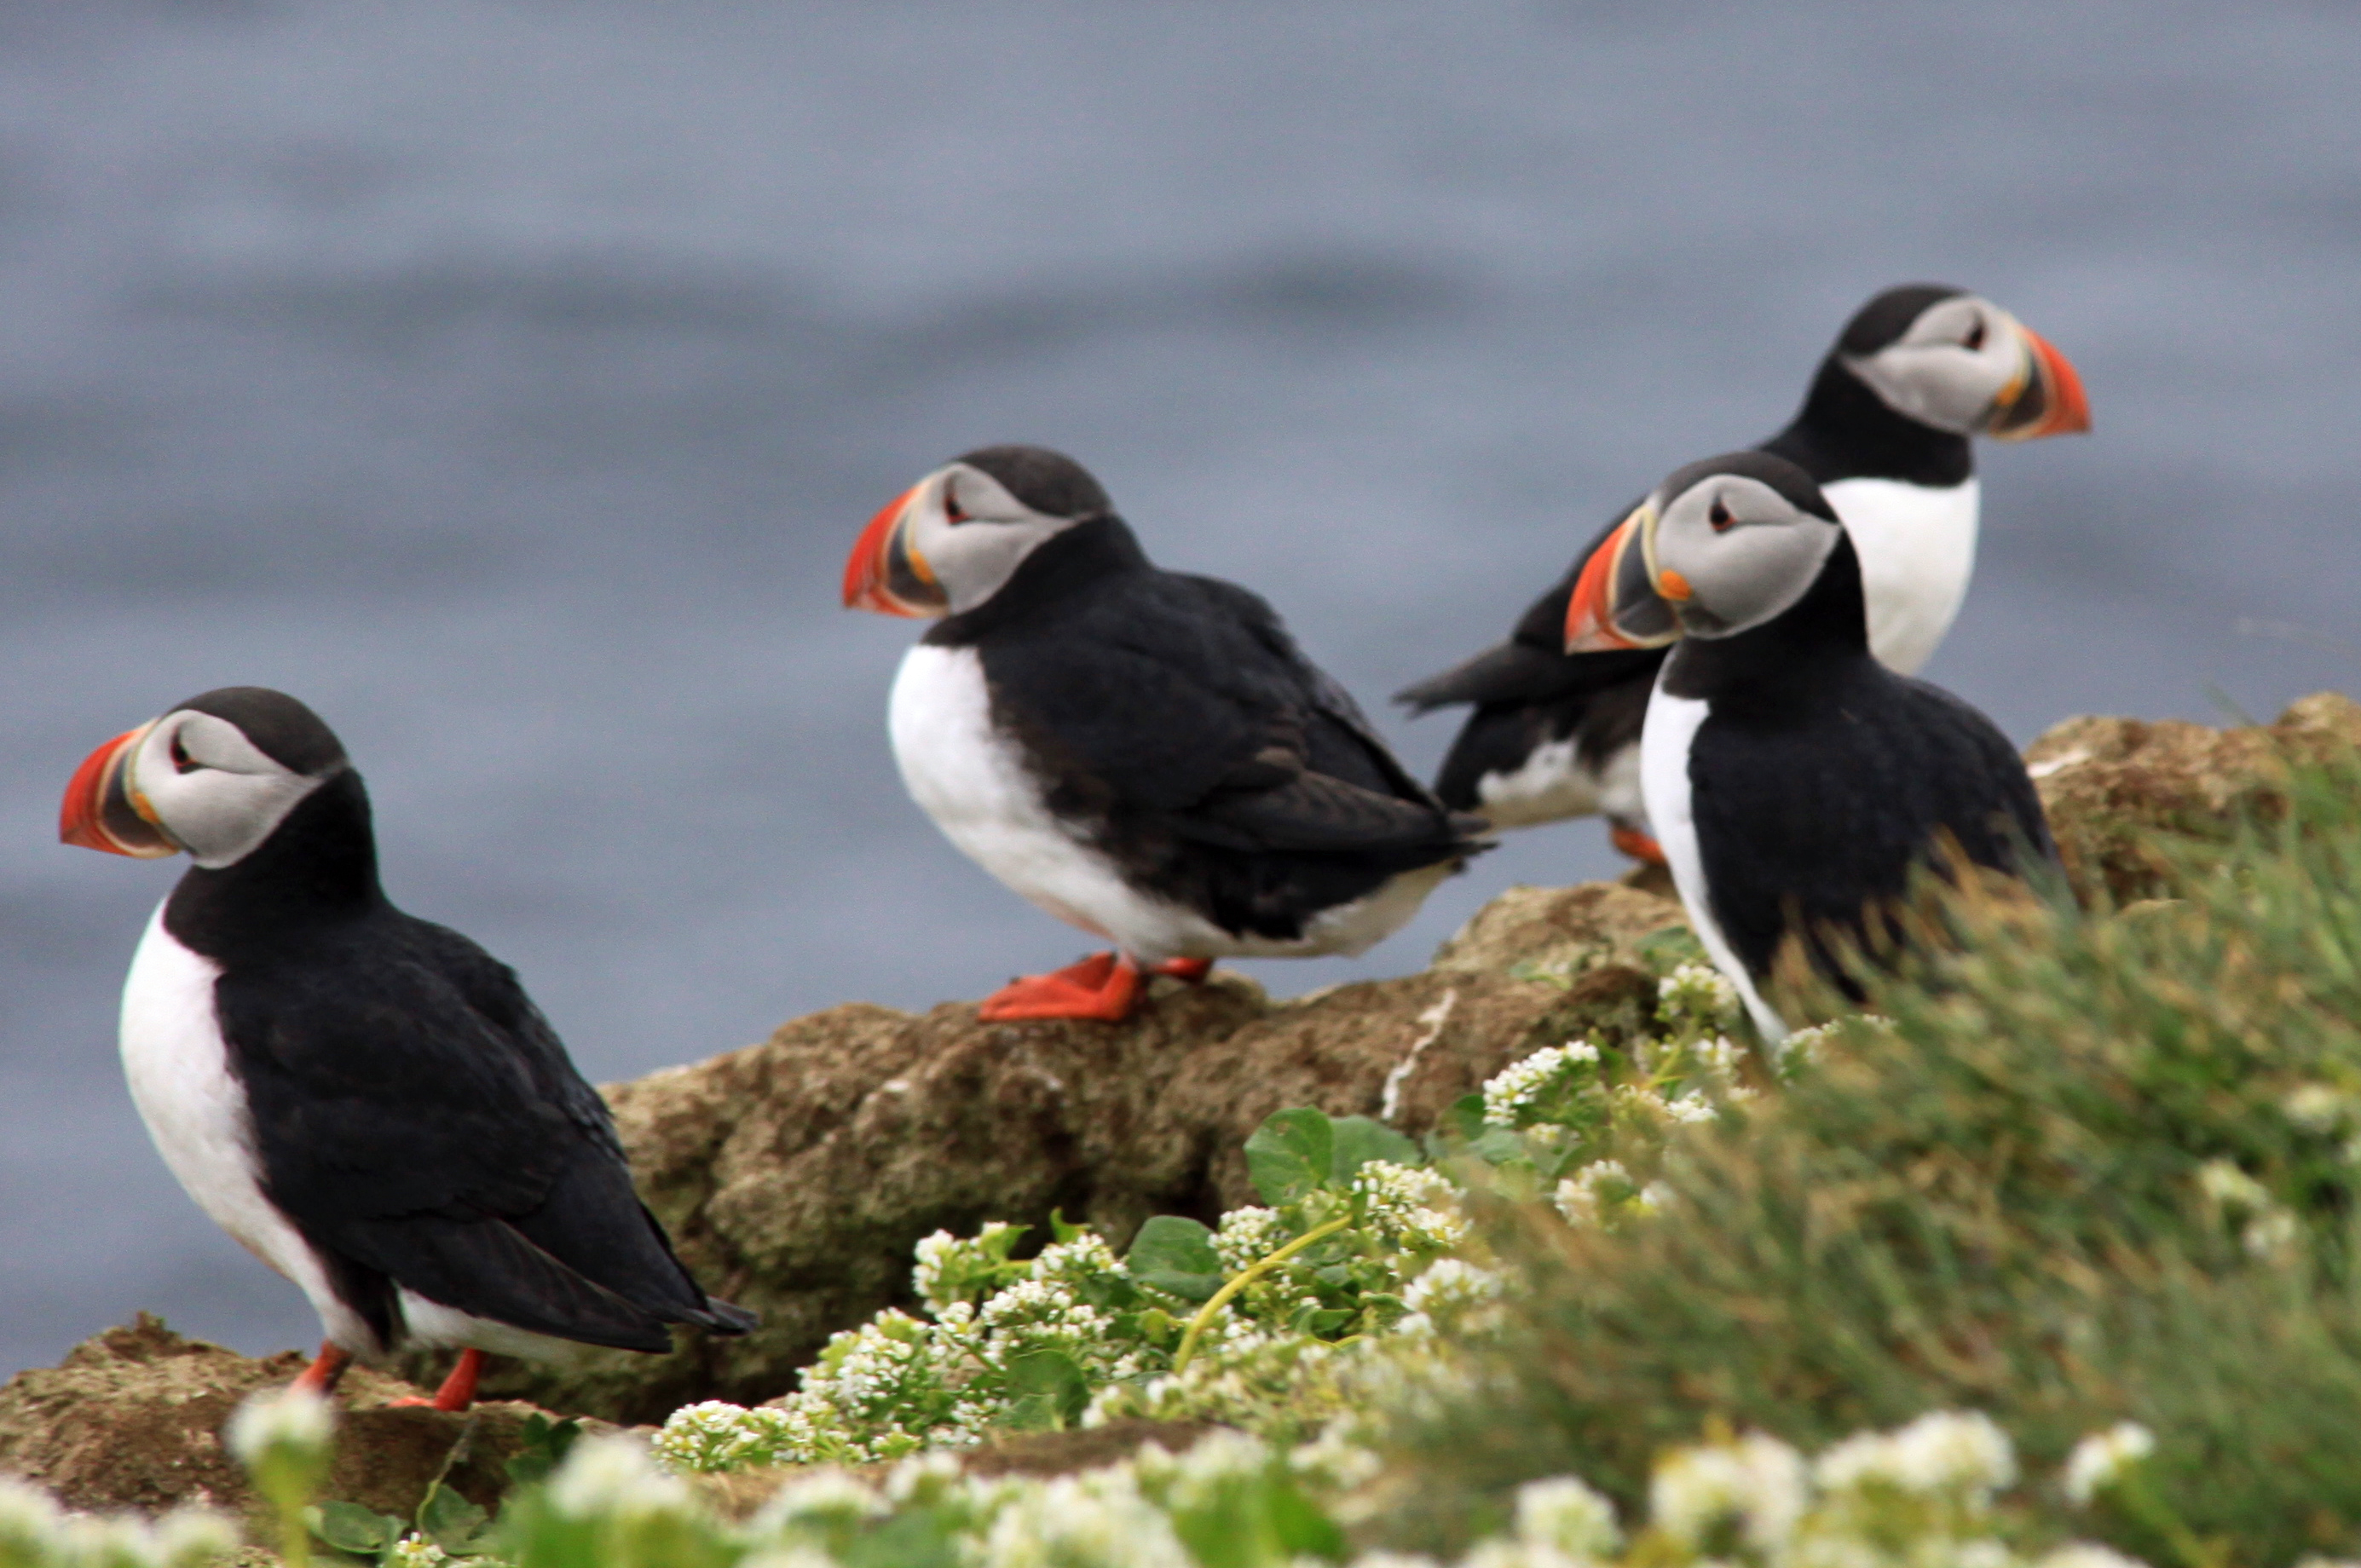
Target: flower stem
point(1244, 1278)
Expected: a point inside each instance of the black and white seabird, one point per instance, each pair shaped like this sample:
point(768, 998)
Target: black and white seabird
point(1142, 753)
point(366, 1101)
point(1792, 779)
point(1886, 432)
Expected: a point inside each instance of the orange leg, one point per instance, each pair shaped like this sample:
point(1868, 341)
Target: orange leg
point(1638, 843)
point(327, 1370)
point(458, 1390)
point(1104, 986)
point(1191, 971)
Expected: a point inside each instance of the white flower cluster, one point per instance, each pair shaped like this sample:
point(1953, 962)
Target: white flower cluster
point(1945, 1452)
point(1603, 1192)
point(1752, 1489)
point(36, 1533)
point(1413, 1210)
point(2270, 1229)
point(1920, 1493)
point(1453, 1296)
point(1248, 1235)
point(898, 1383)
point(1696, 996)
point(414, 1551)
point(613, 1478)
point(956, 1268)
point(2102, 1459)
point(1517, 1092)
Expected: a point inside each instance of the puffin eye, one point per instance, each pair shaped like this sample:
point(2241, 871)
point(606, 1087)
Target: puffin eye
point(182, 761)
point(952, 510)
point(1975, 338)
point(1718, 515)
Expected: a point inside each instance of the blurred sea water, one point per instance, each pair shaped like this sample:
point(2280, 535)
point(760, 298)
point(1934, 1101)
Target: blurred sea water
point(509, 380)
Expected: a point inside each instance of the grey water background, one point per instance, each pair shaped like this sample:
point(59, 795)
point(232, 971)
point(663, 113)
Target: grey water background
point(509, 380)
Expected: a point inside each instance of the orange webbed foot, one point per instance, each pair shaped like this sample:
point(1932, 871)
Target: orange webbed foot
point(327, 1369)
point(1189, 972)
point(458, 1390)
point(1104, 987)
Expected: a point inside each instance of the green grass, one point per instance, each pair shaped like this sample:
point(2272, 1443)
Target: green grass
point(2022, 1197)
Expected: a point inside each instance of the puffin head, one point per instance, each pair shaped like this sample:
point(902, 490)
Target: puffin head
point(213, 776)
point(1721, 546)
point(951, 541)
point(1959, 363)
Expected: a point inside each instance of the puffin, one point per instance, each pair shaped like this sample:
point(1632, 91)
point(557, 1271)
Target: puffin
point(1793, 780)
point(368, 1102)
point(1885, 431)
point(1144, 754)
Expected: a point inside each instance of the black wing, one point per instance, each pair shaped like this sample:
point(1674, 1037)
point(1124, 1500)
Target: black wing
point(1819, 822)
point(418, 1119)
point(1220, 765)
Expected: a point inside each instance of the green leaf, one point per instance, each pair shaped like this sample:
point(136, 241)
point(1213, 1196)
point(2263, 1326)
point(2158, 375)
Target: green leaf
point(1290, 1155)
point(1051, 1390)
point(1061, 1231)
point(450, 1521)
point(1175, 1253)
point(1499, 1145)
point(1667, 947)
point(348, 1527)
point(546, 1444)
point(1357, 1140)
point(1304, 1530)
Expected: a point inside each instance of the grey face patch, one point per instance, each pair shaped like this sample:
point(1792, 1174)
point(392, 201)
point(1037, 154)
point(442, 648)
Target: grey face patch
point(1747, 552)
point(972, 532)
point(217, 793)
point(1951, 368)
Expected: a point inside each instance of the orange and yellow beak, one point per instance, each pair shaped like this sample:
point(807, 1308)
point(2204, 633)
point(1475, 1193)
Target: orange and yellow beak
point(2045, 400)
point(1617, 601)
point(885, 573)
point(102, 810)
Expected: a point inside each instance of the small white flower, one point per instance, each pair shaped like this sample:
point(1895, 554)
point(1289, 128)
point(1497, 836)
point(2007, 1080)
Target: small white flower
point(1096, 1521)
point(2225, 1184)
point(2101, 1459)
point(824, 1495)
point(1453, 1293)
point(416, 1551)
point(1563, 1514)
point(187, 1537)
point(1247, 1236)
point(2270, 1236)
point(604, 1476)
point(1755, 1483)
point(292, 1420)
point(1515, 1090)
point(2316, 1107)
point(1962, 1453)
point(1697, 993)
point(2087, 1554)
point(28, 1516)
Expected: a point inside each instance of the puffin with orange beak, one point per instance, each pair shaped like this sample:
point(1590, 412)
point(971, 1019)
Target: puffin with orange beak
point(368, 1103)
point(1144, 754)
point(1886, 431)
point(1793, 781)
